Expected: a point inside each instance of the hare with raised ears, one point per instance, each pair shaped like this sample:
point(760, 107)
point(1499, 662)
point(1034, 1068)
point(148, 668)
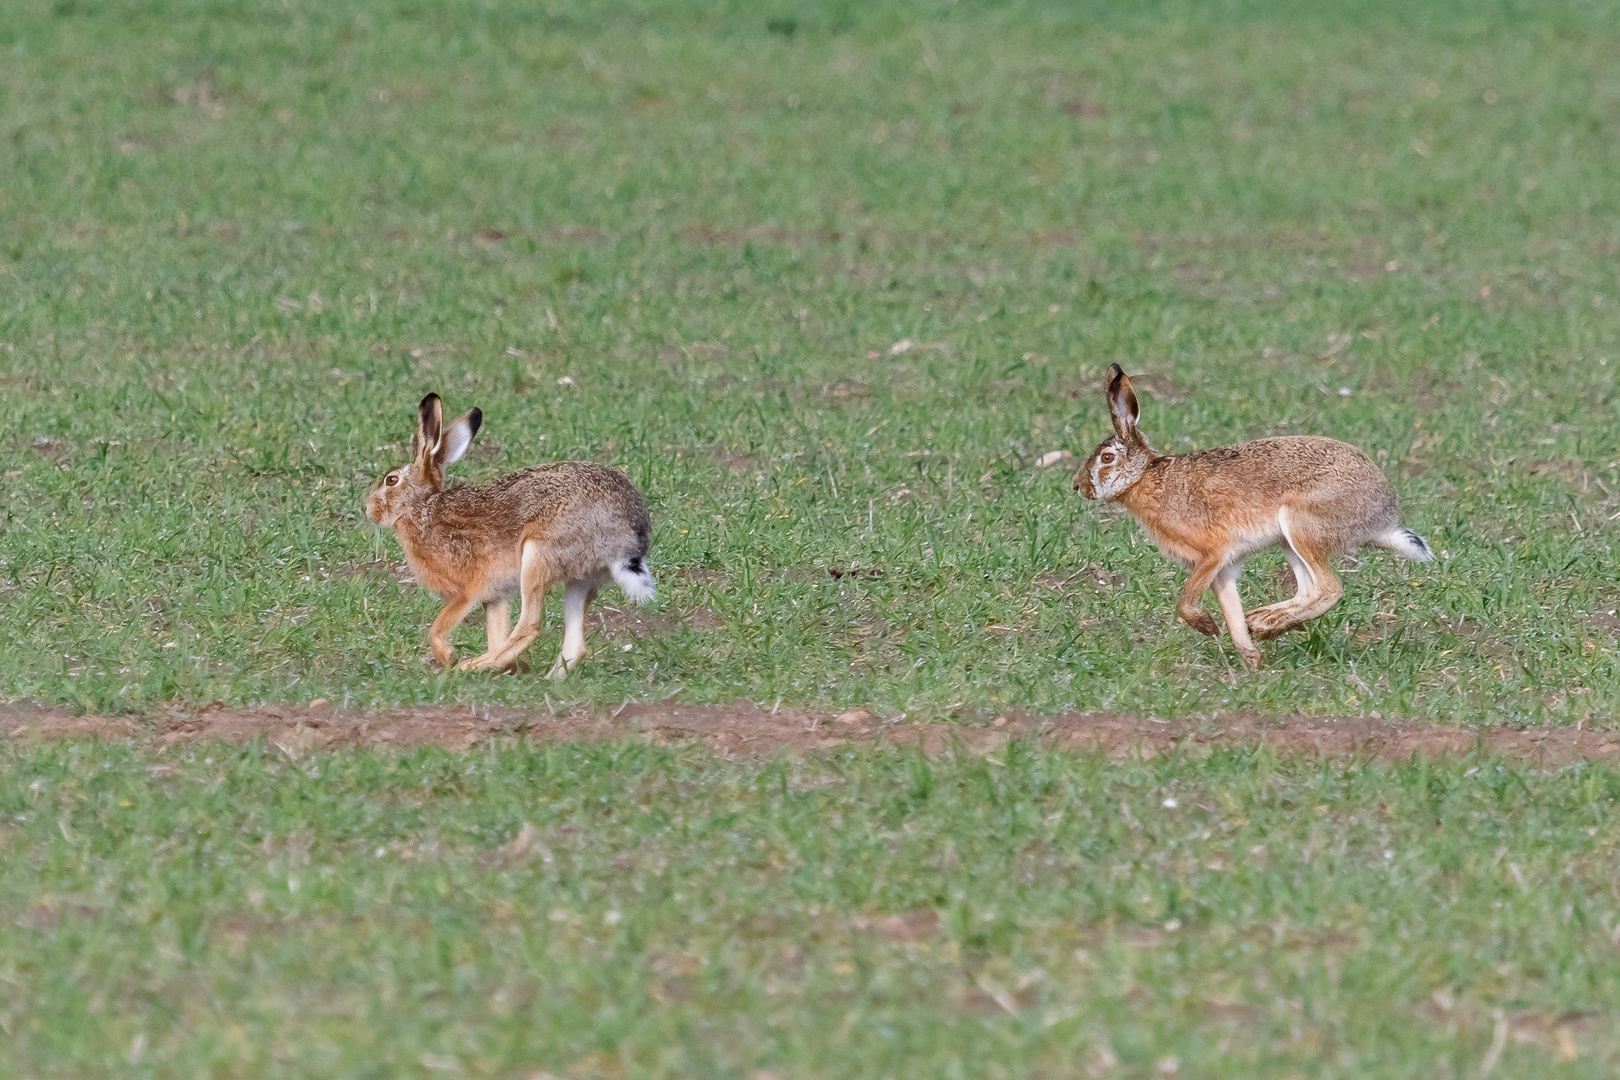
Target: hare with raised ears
point(570, 521)
point(1210, 510)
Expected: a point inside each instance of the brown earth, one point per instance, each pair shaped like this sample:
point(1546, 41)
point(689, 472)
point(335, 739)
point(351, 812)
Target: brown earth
point(750, 729)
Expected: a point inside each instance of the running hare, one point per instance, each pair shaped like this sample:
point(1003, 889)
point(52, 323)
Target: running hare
point(569, 521)
point(1210, 510)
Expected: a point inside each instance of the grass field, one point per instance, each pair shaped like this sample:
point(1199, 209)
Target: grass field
point(243, 239)
point(828, 280)
point(638, 912)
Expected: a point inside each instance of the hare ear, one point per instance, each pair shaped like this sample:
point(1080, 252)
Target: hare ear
point(1122, 404)
point(457, 437)
point(429, 419)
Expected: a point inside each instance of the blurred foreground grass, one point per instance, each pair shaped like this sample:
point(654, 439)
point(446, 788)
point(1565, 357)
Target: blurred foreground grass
point(626, 911)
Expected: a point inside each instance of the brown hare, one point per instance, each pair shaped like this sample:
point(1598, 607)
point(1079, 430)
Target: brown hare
point(570, 521)
point(1210, 510)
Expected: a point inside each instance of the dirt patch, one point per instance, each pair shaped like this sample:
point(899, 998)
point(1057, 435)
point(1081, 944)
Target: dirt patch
point(693, 576)
point(710, 236)
point(577, 236)
point(1485, 640)
point(398, 574)
point(484, 450)
point(1606, 622)
point(57, 451)
point(1091, 573)
point(641, 623)
point(51, 912)
point(1048, 580)
point(909, 928)
point(845, 391)
point(703, 620)
point(750, 729)
point(1568, 470)
point(736, 461)
point(1430, 393)
point(839, 573)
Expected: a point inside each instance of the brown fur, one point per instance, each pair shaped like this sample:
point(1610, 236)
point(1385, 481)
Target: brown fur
point(568, 521)
point(1313, 496)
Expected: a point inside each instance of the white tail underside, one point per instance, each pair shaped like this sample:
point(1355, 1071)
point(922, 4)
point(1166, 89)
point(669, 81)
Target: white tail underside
point(638, 584)
point(1406, 543)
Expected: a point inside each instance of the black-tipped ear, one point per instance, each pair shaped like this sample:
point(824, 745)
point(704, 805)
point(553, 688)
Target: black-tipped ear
point(429, 422)
point(457, 437)
point(1122, 403)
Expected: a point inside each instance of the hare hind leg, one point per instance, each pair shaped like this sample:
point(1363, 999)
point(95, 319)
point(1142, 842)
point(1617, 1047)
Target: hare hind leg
point(535, 580)
point(497, 625)
point(1262, 618)
point(576, 601)
point(497, 629)
point(1319, 588)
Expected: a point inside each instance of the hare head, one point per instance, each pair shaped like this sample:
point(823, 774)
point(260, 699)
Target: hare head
point(1119, 462)
point(437, 447)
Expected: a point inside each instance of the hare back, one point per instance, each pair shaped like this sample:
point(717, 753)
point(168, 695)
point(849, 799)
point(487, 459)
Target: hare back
point(1332, 493)
point(470, 538)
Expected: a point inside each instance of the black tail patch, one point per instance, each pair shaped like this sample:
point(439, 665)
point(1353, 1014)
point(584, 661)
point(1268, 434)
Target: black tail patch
point(1418, 541)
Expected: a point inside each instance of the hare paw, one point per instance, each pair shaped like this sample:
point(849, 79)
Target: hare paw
point(1201, 621)
point(559, 670)
point(1270, 622)
point(1252, 658)
point(482, 662)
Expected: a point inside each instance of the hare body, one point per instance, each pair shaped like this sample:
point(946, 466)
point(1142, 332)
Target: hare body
point(1314, 497)
point(574, 522)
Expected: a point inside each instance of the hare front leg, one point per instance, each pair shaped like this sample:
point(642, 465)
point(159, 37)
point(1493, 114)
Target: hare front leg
point(497, 623)
point(1189, 605)
point(1226, 591)
point(455, 609)
point(576, 601)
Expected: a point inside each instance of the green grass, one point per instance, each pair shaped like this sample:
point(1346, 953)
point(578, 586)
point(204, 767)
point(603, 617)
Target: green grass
point(224, 912)
point(241, 240)
point(238, 242)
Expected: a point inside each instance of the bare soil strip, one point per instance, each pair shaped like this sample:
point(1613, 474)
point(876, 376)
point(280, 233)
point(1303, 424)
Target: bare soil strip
point(750, 729)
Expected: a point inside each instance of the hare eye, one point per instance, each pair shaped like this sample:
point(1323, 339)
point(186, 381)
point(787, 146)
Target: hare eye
point(1107, 459)
point(392, 480)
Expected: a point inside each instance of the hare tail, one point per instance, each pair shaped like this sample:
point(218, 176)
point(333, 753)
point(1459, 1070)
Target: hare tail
point(1405, 543)
point(632, 576)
